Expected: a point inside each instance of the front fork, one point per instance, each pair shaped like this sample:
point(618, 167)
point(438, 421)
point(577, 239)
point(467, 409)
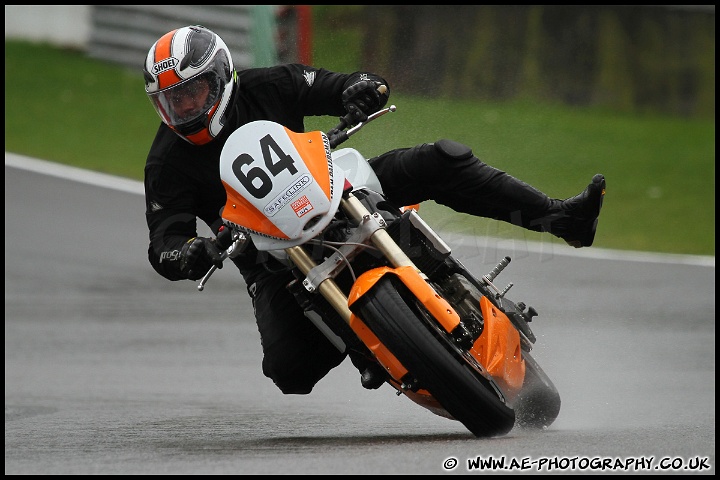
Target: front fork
point(318, 278)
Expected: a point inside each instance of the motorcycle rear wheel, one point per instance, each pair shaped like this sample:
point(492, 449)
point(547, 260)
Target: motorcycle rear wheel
point(538, 403)
point(454, 384)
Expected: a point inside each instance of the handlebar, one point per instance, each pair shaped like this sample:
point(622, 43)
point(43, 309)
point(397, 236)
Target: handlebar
point(339, 134)
point(234, 242)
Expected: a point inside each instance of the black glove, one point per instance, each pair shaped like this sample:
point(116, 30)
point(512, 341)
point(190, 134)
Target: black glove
point(197, 256)
point(363, 98)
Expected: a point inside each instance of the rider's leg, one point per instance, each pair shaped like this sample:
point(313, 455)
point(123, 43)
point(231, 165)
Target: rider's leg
point(296, 355)
point(448, 173)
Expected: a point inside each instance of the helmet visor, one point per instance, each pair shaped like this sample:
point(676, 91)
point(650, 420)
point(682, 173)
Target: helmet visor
point(187, 101)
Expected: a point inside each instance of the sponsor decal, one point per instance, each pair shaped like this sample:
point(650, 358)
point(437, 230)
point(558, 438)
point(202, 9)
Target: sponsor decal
point(328, 156)
point(287, 195)
point(164, 65)
point(309, 78)
point(301, 206)
point(170, 256)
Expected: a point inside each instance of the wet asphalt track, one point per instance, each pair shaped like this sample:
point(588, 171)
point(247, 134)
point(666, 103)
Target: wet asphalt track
point(110, 369)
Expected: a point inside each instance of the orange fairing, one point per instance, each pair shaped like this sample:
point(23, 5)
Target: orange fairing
point(438, 307)
point(498, 349)
point(241, 212)
point(387, 359)
point(309, 145)
point(393, 366)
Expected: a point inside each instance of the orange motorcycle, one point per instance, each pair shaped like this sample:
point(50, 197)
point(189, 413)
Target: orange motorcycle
point(379, 282)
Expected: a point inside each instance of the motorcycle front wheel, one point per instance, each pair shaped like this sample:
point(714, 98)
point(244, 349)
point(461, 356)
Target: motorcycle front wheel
point(452, 382)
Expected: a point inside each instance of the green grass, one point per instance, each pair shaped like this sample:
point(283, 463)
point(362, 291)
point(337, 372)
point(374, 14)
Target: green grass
point(64, 107)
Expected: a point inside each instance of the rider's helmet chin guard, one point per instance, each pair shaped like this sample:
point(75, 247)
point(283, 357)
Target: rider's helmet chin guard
point(179, 69)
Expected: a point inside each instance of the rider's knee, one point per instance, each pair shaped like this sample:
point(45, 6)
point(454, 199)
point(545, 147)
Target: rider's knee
point(452, 150)
point(293, 387)
point(291, 384)
point(298, 374)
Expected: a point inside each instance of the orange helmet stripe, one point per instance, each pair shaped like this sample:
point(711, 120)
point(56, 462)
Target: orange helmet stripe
point(163, 51)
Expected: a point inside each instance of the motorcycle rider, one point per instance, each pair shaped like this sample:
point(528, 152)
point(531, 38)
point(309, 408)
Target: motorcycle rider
point(191, 82)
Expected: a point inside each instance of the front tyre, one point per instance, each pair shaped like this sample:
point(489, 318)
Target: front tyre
point(454, 384)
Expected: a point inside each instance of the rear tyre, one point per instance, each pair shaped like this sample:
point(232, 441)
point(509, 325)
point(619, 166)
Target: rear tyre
point(464, 393)
point(538, 403)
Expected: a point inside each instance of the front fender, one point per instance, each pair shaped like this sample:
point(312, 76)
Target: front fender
point(438, 307)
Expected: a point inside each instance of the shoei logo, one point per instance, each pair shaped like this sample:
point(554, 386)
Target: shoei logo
point(164, 65)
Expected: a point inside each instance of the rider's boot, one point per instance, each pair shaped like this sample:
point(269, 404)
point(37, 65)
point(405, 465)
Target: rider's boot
point(575, 219)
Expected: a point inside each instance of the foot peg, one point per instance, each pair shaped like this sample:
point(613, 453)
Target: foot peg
point(373, 377)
